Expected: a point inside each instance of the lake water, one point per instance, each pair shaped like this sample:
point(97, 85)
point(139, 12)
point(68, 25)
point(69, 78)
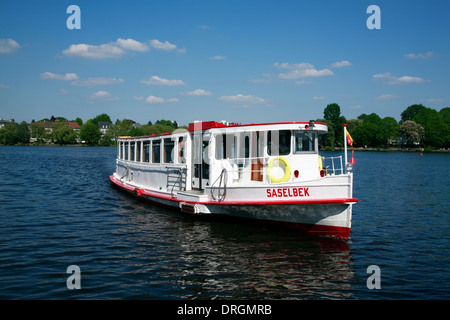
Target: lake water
point(58, 208)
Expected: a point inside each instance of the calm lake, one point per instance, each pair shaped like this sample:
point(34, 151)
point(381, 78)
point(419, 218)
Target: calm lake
point(58, 208)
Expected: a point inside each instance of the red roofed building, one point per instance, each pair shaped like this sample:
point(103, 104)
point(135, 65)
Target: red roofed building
point(49, 124)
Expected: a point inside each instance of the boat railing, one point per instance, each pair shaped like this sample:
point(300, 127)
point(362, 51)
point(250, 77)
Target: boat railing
point(332, 165)
point(176, 179)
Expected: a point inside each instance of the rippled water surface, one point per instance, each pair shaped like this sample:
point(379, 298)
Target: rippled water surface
point(58, 208)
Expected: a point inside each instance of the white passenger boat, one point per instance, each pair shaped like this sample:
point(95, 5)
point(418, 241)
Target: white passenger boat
point(270, 172)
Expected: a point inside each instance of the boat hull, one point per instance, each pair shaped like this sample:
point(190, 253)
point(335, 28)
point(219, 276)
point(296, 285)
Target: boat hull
point(324, 217)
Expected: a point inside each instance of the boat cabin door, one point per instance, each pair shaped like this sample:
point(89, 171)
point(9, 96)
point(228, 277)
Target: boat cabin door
point(200, 166)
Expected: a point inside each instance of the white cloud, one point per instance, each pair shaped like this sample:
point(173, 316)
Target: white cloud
point(63, 91)
point(340, 64)
point(427, 55)
point(318, 98)
point(240, 98)
point(158, 100)
point(111, 50)
point(435, 101)
point(131, 44)
point(301, 70)
point(199, 92)
point(356, 107)
point(386, 97)
point(390, 79)
point(303, 81)
point(165, 46)
point(102, 96)
point(90, 82)
point(88, 51)
point(65, 77)
point(3, 86)
point(155, 80)
point(9, 45)
point(218, 58)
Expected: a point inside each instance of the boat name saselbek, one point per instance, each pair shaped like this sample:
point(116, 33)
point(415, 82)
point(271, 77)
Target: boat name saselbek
point(287, 192)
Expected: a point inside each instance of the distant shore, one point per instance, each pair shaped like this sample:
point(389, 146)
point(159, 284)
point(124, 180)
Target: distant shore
point(443, 150)
point(392, 149)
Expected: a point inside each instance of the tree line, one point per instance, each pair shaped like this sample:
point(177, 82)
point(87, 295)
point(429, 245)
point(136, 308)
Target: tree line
point(419, 127)
point(61, 132)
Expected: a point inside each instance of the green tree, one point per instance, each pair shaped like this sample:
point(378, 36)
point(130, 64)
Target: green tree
point(445, 115)
point(8, 134)
point(371, 133)
point(326, 140)
point(90, 132)
point(410, 112)
point(63, 134)
point(23, 133)
point(79, 121)
point(352, 124)
point(391, 126)
point(434, 126)
point(332, 113)
point(38, 131)
point(101, 117)
point(107, 139)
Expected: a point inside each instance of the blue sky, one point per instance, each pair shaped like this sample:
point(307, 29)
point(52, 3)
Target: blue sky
point(241, 61)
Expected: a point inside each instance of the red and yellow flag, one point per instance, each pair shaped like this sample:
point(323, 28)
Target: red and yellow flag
point(349, 139)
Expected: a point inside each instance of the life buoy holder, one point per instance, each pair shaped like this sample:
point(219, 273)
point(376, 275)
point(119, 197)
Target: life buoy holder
point(287, 170)
point(138, 192)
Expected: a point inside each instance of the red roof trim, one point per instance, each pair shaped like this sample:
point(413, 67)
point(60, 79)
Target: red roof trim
point(205, 125)
point(208, 124)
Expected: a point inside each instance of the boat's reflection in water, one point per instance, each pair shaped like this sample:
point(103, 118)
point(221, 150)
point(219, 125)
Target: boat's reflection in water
point(215, 259)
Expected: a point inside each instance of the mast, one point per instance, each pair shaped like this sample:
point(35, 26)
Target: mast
point(345, 144)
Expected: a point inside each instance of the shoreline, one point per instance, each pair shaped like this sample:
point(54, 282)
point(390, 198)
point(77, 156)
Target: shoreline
point(418, 150)
point(426, 150)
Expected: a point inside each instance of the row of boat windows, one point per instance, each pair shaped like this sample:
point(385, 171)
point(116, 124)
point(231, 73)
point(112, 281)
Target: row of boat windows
point(278, 142)
point(154, 151)
point(228, 146)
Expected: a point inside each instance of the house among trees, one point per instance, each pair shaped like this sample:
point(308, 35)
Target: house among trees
point(4, 122)
point(49, 125)
point(104, 126)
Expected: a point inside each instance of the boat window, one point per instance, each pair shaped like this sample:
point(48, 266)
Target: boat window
point(243, 145)
point(126, 151)
point(156, 151)
point(146, 149)
point(132, 147)
point(168, 150)
point(138, 150)
point(225, 146)
point(279, 142)
point(247, 147)
point(220, 146)
point(257, 147)
point(181, 150)
point(304, 141)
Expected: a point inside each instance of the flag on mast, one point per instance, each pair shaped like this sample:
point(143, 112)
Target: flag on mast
point(349, 139)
